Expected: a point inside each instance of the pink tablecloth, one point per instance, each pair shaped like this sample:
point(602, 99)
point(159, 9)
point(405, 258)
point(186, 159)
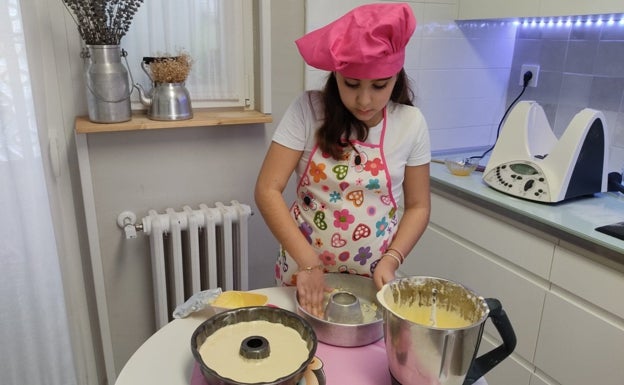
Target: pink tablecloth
point(362, 365)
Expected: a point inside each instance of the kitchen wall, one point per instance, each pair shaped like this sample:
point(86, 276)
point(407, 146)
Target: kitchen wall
point(581, 65)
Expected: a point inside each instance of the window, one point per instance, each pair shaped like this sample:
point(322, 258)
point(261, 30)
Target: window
point(218, 36)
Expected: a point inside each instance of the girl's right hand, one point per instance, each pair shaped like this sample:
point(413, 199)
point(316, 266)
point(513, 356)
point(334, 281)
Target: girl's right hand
point(385, 271)
point(311, 290)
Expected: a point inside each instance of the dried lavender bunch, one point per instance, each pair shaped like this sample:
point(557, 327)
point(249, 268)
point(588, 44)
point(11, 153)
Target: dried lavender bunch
point(102, 22)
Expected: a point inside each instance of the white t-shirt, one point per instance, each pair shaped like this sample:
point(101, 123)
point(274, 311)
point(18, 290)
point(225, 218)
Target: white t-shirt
point(406, 140)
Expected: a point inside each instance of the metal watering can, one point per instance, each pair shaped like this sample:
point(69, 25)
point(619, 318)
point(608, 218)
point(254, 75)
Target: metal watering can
point(427, 353)
point(165, 101)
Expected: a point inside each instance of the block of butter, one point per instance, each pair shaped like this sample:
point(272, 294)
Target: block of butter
point(234, 299)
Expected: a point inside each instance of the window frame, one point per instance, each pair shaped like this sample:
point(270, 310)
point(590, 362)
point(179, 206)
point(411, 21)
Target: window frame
point(254, 20)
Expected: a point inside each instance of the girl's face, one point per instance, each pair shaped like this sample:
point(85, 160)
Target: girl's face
point(366, 98)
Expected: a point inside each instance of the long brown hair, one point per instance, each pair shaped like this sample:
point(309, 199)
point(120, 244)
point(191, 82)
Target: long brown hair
point(339, 121)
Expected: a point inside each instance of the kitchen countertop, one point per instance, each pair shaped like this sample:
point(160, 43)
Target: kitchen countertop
point(573, 221)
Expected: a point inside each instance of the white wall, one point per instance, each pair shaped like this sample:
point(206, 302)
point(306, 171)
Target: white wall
point(138, 171)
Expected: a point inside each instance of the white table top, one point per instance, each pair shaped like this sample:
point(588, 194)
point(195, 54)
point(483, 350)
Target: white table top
point(166, 358)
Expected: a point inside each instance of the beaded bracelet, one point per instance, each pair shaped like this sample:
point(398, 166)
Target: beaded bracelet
point(400, 255)
point(309, 269)
point(393, 257)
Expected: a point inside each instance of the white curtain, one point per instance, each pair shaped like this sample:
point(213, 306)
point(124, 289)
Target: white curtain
point(34, 334)
point(210, 31)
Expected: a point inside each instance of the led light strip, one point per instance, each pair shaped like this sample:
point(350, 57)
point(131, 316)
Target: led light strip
point(567, 21)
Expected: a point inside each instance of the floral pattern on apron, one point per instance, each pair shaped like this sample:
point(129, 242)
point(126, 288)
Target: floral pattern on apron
point(345, 209)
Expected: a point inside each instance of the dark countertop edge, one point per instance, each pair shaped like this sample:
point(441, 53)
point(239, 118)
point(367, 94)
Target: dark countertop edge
point(457, 194)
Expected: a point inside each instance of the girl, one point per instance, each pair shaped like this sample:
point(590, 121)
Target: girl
point(356, 147)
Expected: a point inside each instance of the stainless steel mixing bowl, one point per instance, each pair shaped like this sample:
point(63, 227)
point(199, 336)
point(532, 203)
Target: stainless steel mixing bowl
point(349, 334)
point(253, 347)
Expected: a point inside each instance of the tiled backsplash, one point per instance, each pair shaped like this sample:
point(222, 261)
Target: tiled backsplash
point(462, 72)
point(581, 65)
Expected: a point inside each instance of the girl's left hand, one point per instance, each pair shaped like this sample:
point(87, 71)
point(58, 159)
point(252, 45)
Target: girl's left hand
point(384, 272)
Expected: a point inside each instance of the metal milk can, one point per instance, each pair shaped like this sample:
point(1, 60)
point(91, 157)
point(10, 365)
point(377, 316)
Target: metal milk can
point(108, 88)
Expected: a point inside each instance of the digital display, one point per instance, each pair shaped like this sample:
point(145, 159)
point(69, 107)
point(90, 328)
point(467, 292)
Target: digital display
point(523, 169)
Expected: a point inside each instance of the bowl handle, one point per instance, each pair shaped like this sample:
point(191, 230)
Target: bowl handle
point(483, 364)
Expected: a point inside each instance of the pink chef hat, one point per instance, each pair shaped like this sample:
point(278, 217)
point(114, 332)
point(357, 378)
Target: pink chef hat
point(366, 43)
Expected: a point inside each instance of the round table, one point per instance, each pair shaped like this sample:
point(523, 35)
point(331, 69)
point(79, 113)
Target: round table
point(166, 358)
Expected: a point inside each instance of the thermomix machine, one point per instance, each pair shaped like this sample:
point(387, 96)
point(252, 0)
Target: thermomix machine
point(528, 161)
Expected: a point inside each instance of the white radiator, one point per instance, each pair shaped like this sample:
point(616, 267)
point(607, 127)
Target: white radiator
point(194, 250)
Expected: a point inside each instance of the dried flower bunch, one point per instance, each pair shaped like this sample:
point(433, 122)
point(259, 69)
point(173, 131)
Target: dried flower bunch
point(171, 69)
point(102, 22)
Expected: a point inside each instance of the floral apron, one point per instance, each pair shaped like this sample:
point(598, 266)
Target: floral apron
point(345, 209)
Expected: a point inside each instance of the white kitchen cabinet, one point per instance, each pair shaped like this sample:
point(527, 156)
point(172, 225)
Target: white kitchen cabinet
point(582, 330)
point(439, 254)
point(519, 247)
point(576, 346)
point(512, 370)
point(593, 282)
point(579, 7)
point(463, 245)
point(496, 9)
point(536, 380)
point(563, 302)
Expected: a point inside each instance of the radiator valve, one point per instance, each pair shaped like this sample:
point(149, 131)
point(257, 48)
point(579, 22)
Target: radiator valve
point(127, 221)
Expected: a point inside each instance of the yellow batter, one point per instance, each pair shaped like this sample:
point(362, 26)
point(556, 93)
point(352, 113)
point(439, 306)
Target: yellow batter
point(440, 318)
point(220, 352)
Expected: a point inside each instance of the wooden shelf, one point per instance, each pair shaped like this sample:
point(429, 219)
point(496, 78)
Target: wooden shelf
point(200, 118)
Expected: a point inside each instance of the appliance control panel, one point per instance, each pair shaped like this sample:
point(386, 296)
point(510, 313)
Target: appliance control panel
point(519, 178)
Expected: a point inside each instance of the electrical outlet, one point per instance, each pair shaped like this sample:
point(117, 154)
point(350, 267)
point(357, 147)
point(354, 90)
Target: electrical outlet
point(534, 68)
